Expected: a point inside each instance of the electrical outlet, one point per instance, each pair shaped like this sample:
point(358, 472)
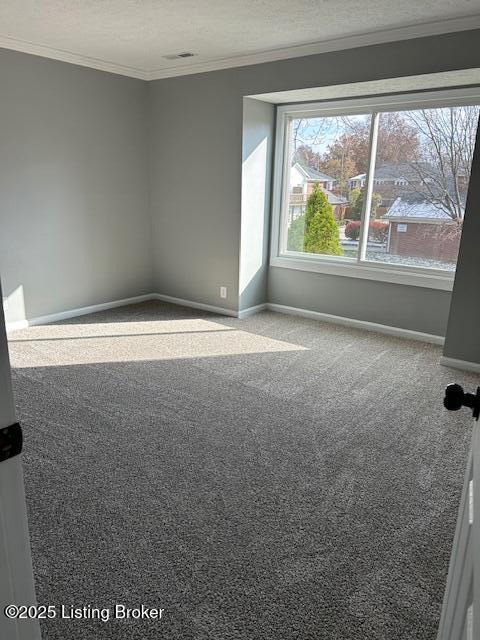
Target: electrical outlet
point(223, 292)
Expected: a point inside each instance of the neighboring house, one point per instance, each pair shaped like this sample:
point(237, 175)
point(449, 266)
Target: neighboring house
point(357, 182)
point(396, 174)
point(301, 174)
point(391, 179)
point(422, 228)
point(302, 181)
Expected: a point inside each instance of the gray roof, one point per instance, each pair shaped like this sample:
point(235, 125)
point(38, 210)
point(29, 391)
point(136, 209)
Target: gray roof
point(409, 170)
point(313, 174)
point(333, 198)
point(360, 176)
point(390, 171)
point(416, 207)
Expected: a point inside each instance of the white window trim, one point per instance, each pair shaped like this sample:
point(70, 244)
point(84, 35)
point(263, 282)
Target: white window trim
point(359, 268)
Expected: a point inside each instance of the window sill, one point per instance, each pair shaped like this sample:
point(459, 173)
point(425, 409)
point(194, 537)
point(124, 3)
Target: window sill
point(383, 273)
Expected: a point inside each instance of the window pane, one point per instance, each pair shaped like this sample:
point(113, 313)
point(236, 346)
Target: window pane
point(328, 160)
point(421, 178)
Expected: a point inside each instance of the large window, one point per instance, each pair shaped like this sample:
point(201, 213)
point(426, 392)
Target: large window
point(375, 188)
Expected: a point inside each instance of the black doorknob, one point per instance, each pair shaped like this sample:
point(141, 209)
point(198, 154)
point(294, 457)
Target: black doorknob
point(456, 398)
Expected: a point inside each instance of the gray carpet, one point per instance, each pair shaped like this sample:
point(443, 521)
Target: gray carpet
point(267, 478)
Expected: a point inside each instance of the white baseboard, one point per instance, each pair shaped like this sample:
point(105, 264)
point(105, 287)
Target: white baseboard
point(195, 305)
point(250, 311)
point(81, 311)
point(245, 313)
point(73, 313)
point(464, 365)
point(358, 324)
point(16, 325)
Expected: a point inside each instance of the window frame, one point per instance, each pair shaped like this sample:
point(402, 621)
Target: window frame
point(339, 265)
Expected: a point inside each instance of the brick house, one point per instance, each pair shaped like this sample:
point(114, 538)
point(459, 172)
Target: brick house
point(302, 181)
point(421, 228)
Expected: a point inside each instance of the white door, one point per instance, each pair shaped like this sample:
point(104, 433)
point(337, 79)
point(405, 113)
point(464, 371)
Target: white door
point(460, 618)
point(16, 576)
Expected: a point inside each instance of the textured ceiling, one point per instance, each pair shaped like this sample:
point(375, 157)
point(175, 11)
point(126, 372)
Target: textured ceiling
point(137, 34)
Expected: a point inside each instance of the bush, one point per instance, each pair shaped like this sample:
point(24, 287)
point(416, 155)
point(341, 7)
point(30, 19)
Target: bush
point(356, 203)
point(378, 230)
point(296, 234)
point(352, 230)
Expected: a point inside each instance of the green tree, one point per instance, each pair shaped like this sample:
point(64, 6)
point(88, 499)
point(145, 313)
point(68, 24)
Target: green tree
point(353, 197)
point(296, 234)
point(321, 229)
point(356, 203)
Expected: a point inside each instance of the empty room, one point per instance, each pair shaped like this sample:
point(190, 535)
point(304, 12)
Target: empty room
point(239, 338)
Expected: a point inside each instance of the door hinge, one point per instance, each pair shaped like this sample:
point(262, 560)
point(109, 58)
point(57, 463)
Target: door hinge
point(11, 441)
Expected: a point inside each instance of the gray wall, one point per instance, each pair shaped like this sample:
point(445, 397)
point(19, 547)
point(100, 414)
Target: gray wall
point(74, 219)
point(85, 154)
point(196, 170)
point(196, 180)
point(463, 334)
point(257, 156)
point(395, 305)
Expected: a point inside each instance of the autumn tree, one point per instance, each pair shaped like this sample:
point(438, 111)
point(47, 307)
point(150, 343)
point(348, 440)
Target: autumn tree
point(342, 168)
point(443, 160)
point(397, 140)
point(308, 132)
point(348, 156)
point(307, 156)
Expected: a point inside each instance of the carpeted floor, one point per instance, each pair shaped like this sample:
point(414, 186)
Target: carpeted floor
point(259, 479)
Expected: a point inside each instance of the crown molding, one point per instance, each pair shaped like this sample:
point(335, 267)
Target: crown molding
point(349, 42)
point(420, 30)
point(72, 58)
